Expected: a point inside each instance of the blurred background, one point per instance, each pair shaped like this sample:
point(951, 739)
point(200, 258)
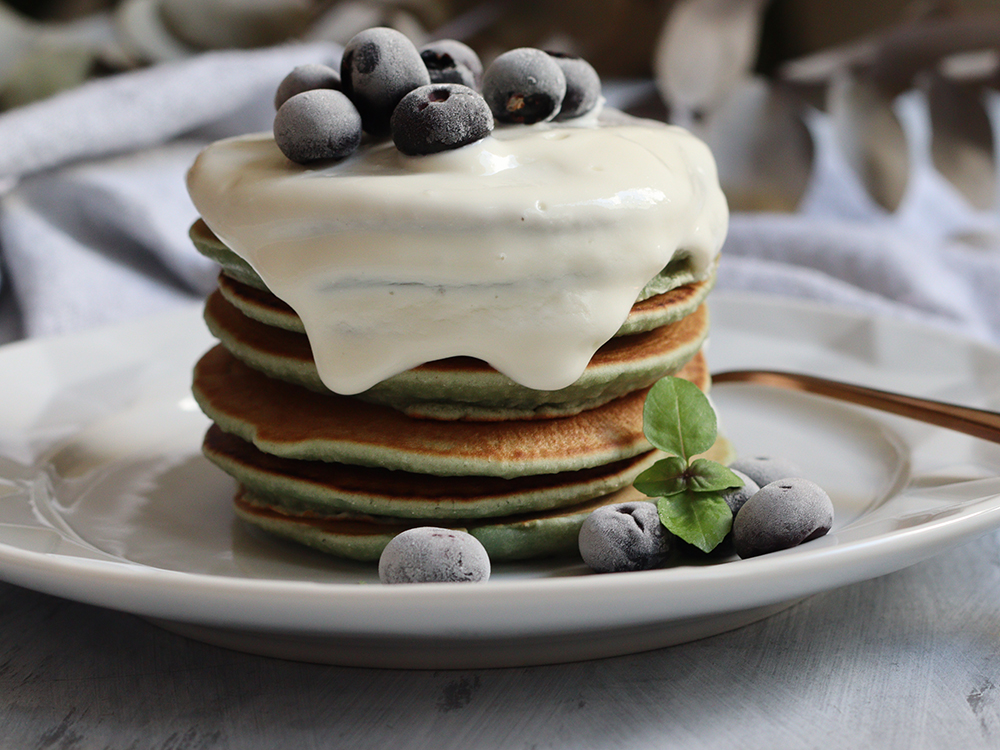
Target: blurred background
point(855, 139)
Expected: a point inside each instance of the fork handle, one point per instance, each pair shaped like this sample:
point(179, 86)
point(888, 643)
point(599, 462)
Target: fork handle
point(979, 423)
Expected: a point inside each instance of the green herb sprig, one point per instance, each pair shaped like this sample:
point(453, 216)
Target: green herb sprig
point(679, 420)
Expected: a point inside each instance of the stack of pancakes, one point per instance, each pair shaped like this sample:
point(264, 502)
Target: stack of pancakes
point(449, 443)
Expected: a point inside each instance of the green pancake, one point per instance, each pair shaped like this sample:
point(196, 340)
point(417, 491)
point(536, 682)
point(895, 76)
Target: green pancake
point(678, 273)
point(652, 312)
point(206, 243)
point(466, 388)
point(518, 536)
point(325, 487)
point(292, 422)
point(361, 537)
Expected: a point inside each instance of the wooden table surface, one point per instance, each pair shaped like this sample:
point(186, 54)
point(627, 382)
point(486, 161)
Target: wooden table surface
point(910, 660)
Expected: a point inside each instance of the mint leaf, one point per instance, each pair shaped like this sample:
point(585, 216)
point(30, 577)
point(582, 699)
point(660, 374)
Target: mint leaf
point(666, 477)
point(708, 476)
point(678, 419)
point(699, 518)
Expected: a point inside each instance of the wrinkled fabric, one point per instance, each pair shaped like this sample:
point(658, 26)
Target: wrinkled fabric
point(935, 260)
point(94, 213)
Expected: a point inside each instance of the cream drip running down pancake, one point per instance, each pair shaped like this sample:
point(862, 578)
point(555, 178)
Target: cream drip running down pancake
point(526, 250)
point(458, 339)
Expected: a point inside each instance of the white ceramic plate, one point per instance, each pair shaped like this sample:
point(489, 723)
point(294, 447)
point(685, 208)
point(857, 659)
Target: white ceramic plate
point(105, 498)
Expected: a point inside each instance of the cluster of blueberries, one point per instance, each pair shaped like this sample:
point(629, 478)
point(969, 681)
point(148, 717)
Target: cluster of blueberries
point(775, 509)
point(430, 99)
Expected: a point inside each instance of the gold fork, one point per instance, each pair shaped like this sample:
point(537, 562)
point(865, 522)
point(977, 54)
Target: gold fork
point(979, 423)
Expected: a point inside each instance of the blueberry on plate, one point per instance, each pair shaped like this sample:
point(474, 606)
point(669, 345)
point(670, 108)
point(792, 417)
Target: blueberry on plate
point(317, 124)
point(379, 67)
point(306, 78)
point(624, 537)
point(451, 61)
point(736, 498)
point(766, 469)
point(525, 85)
point(428, 554)
point(781, 515)
point(583, 85)
point(439, 117)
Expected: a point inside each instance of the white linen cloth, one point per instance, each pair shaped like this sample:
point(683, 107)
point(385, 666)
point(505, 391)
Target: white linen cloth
point(94, 213)
point(935, 259)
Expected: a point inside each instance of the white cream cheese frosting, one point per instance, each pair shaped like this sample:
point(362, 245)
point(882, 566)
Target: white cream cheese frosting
point(526, 250)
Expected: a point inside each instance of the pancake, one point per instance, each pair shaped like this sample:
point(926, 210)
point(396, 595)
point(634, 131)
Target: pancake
point(310, 487)
point(679, 273)
point(669, 307)
point(359, 537)
point(362, 537)
point(293, 422)
point(326, 486)
point(206, 243)
point(463, 387)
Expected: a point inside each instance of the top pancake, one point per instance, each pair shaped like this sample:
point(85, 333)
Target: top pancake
point(673, 294)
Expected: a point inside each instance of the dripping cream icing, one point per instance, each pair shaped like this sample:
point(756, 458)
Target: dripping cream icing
point(526, 249)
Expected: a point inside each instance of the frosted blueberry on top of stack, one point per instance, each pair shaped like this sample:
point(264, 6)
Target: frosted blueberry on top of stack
point(437, 88)
point(451, 61)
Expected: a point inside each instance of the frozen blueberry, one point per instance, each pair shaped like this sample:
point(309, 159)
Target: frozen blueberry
point(306, 78)
point(439, 117)
point(766, 469)
point(583, 85)
point(524, 85)
point(428, 554)
point(317, 124)
point(782, 514)
point(450, 61)
point(737, 498)
point(380, 66)
point(623, 537)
